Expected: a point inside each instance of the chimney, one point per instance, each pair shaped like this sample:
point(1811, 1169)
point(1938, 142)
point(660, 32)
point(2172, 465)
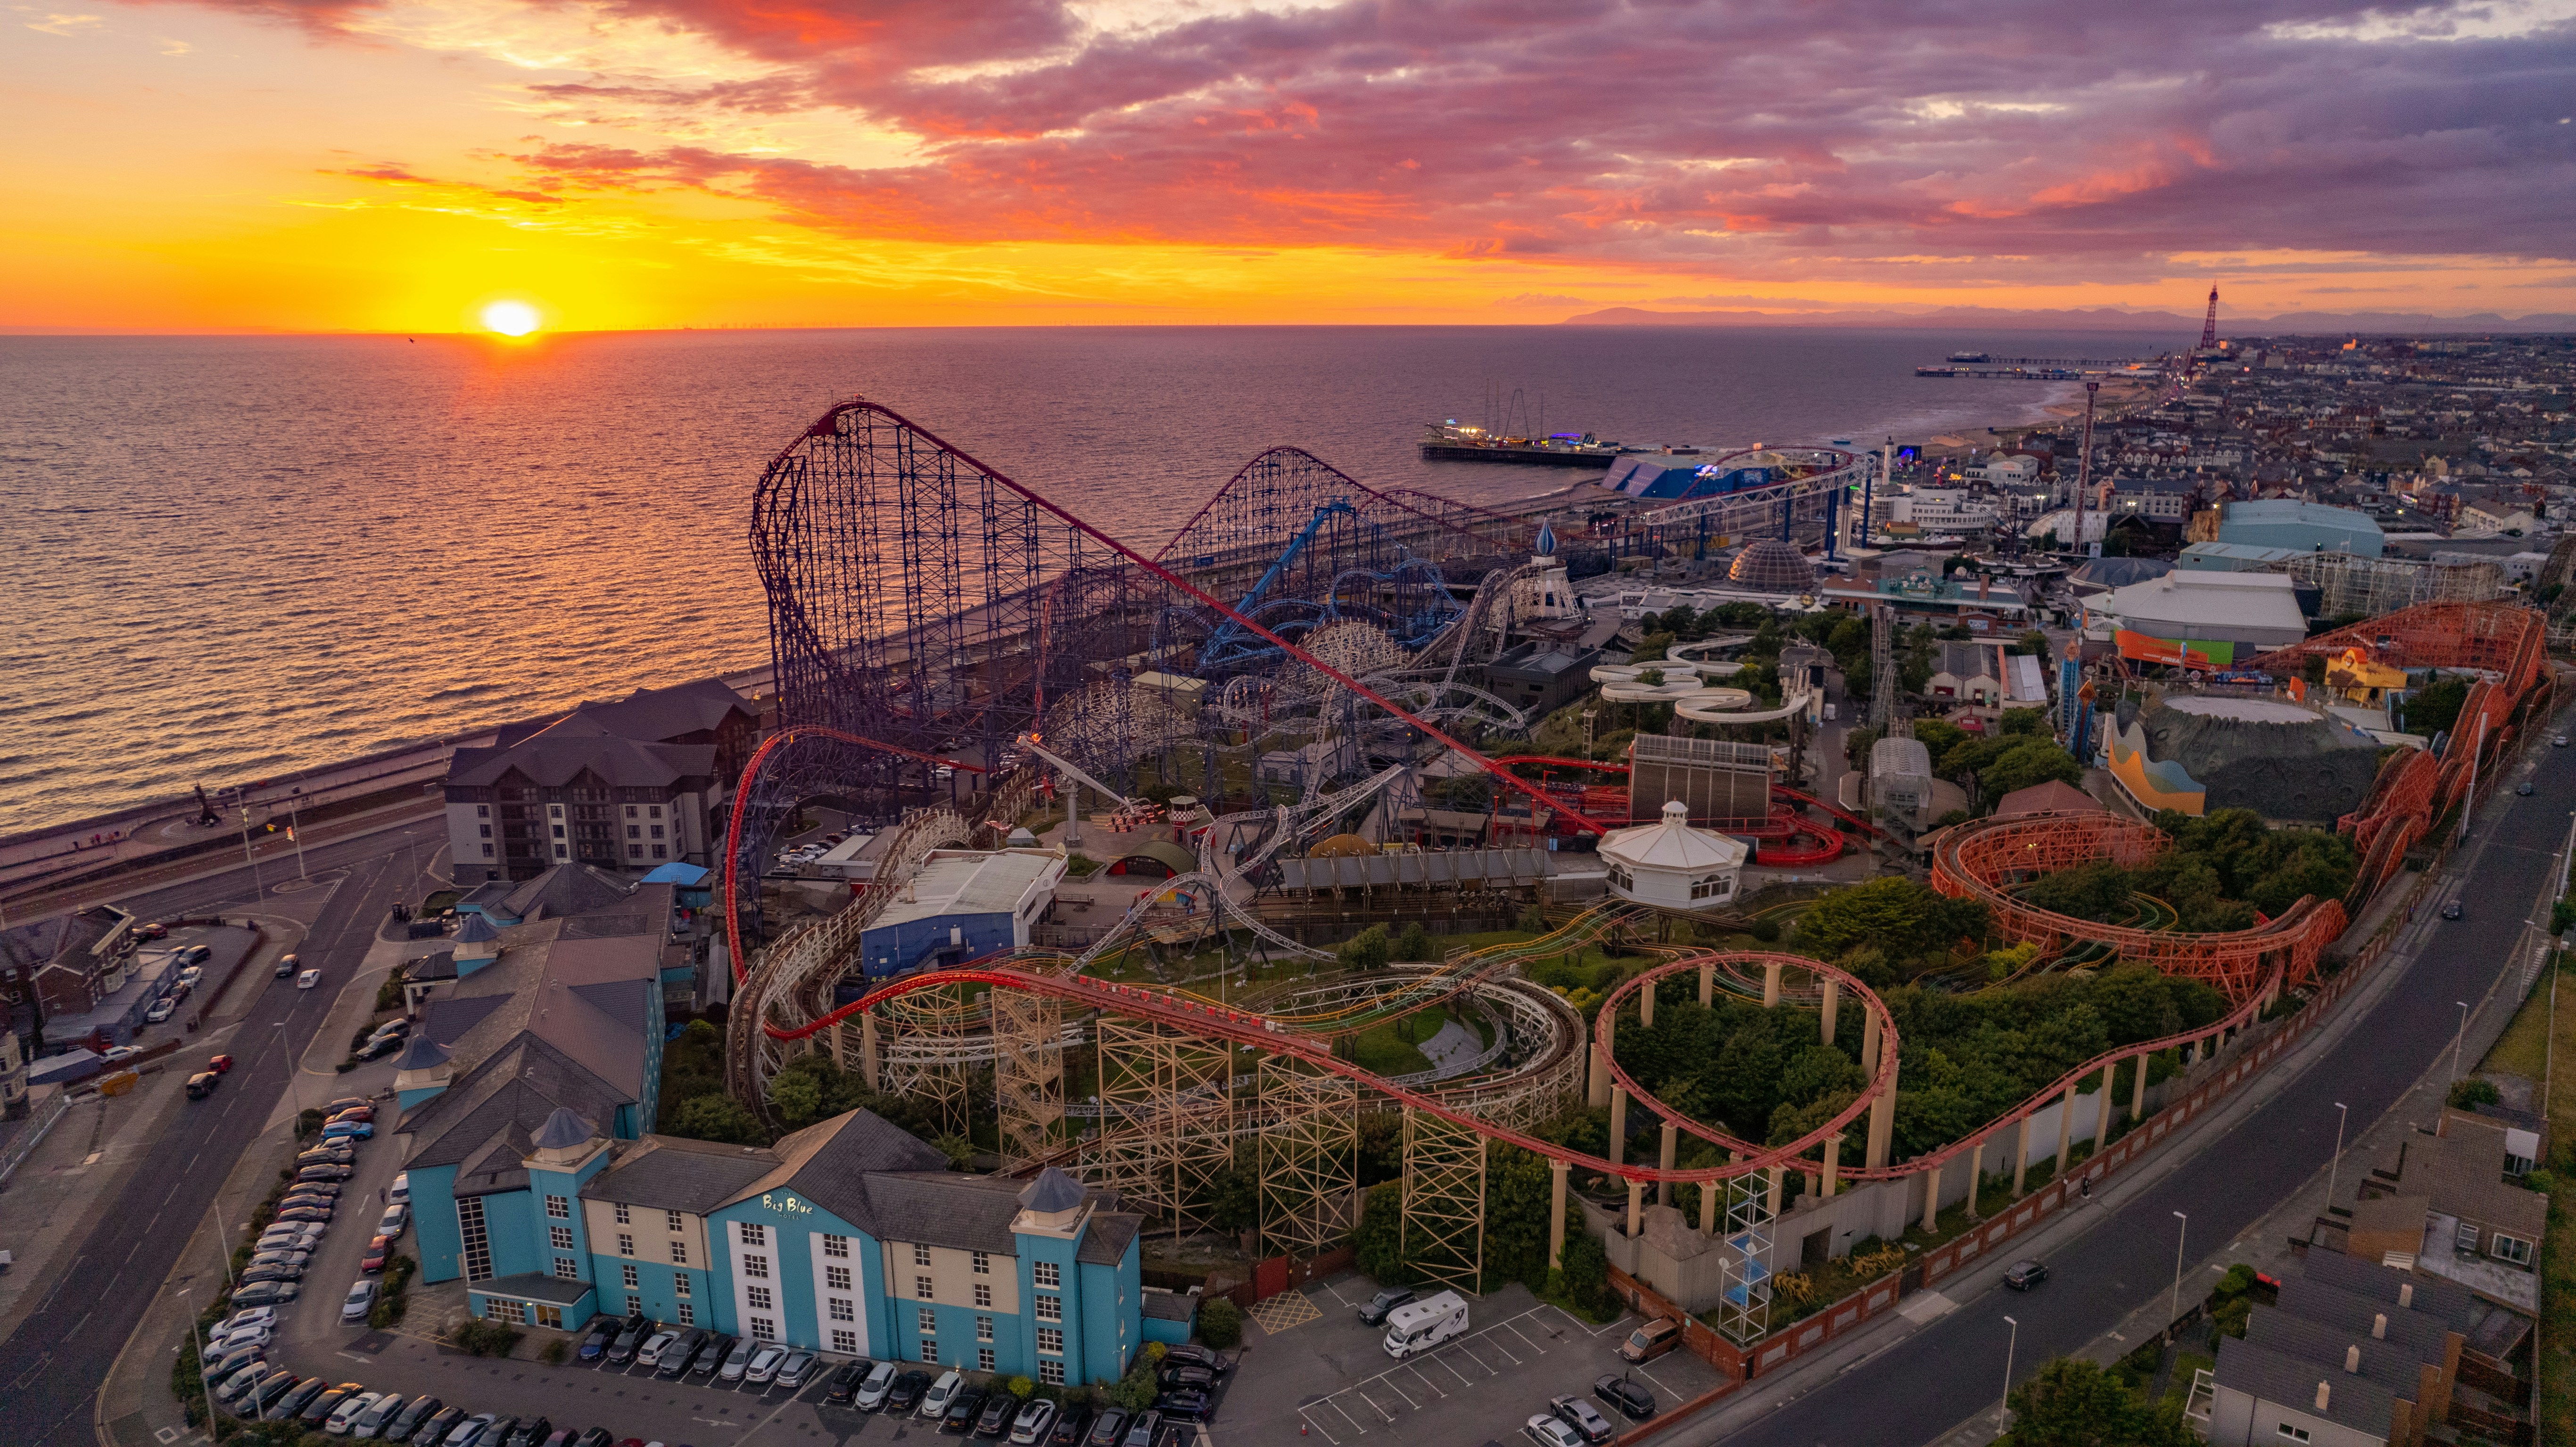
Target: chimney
point(2325, 1393)
point(2379, 1327)
point(2406, 1295)
point(2351, 1361)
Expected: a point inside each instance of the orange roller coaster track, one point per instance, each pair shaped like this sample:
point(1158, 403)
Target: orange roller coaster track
point(1979, 862)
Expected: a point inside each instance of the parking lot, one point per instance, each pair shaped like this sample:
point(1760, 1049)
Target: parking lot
point(1330, 1377)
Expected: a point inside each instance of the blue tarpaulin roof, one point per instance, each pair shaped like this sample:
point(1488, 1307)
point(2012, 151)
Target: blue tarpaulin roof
point(686, 876)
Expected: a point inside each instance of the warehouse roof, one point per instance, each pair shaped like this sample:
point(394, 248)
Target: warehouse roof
point(959, 881)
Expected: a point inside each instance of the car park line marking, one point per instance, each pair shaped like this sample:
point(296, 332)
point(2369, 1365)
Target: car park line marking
point(1387, 1380)
point(1525, 1337)
point(1306, 1414)
point(1463, 1379)
point(1658, 1381)
point(1373, 1406)
point(1427, 1383)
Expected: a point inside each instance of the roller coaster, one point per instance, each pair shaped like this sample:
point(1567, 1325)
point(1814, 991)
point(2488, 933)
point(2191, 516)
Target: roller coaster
point(929, 615)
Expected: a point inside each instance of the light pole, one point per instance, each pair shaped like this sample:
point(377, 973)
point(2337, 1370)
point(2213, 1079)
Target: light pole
point(241, 797)
point(197, 1332)
point(2461, 1040)
point(2173, 1308)
point(2335, 1168)
point(2003, 1409)
point(293, 799)
point(294, 1073)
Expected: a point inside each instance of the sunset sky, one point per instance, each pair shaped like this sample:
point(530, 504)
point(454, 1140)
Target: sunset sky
point(311, 165)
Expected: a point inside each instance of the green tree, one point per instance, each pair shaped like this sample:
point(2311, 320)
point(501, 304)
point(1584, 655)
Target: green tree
point(1221, 1323)
point(717, 1118)
point(1378, 1243)
point(2034, 761)
point(1413, 942)
point(2075, 1403)
point(2018, 721)
point(1651, 647)
point(1367, 950)
point(1585, 1276)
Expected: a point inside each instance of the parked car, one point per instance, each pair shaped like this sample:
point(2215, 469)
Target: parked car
point(1197, 1379)
point(1035, 1420)
point(334, 1107)
point(1142, 1429)
point(153, 931)
point(407, 1421)
point(118, 1053)
point(371, 1422)
point(348, 1130)
point(326, 1171)
point(472, 1430)
point(994, 1417)
point(192, 975)
point(305, 1213)
point(2024, 1274)
point(962, 1410)
point(252, 1276)
point(188, 955)
point(712, 1355)
point(1191, 1354)
point(1187, 1405)
point(1651, 1340)
point(379, 1046)
point(1583, 1417)
point(603, 1330)
point(650, 1353)
point(906, 1391)
point(1108, 1429)
point(764, 1363)
point(392, 1222)
point(934, 1402)
point(319, 1410)
point(1545, 1430)
point(529, 1433)
point(299, 1236)
point(595, 1437)
point(360, 1301)
point(221, 1064)
point(267, 1293)
point(738, 1361)
point(497, 1432)
point(1378, 1308)
point(793, 1371)
point(841, 1388)
point(374, 1260)
point(399, 1193)
point(162, 1009)
point(440, 1425)
point(345, 1416)
point(629, 1339)
point(1071, 1428)
point(241, 1391)
point(272, 1389)
point(679, 1351)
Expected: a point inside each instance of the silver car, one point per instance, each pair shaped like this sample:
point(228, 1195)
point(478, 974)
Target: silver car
point(764, 1364)
point(791, 1372)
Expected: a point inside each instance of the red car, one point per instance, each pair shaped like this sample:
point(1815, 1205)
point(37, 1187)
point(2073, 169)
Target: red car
point(221, 1064)
point(359, 1113)
point(374, 1260)
point(154, 931)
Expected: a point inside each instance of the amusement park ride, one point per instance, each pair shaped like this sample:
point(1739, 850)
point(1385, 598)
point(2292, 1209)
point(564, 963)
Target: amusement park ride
point(928, 610)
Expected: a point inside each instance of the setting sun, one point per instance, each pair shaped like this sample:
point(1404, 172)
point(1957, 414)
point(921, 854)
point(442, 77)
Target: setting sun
point(510, 318)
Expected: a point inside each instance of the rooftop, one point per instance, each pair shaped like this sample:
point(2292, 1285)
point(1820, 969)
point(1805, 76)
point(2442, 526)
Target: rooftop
point(974, 882)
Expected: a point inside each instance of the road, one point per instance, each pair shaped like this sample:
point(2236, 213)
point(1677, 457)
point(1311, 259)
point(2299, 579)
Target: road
point(50, 1368)
point(1941, 1375)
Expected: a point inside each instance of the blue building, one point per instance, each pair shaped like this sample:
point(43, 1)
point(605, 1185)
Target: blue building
point(2302, 527)
point(962, 904)
point(850, 1237)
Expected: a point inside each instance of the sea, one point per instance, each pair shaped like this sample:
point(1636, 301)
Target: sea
point(229, 557)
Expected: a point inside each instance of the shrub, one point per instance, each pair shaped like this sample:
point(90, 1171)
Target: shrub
point(481, 1338)
point(2471, 1093)
point(1585, 1276)
point(389, 995)
point(1367, 950)
point(1221, 1323)
point(553, 1353)
point(1414, 943)
point(1534, 919)
point(1766, 929)
point(1020, 1387)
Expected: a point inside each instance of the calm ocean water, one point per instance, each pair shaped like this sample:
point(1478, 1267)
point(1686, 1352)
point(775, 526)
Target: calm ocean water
point(232, 556)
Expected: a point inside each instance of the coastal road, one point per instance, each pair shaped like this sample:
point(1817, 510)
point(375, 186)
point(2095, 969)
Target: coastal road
point(1929, 1382)
point(51, 1367)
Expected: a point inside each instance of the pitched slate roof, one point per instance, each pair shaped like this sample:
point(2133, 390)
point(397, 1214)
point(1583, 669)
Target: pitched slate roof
point(837, 1164)
point(520, 1086)
point(1105, 1240)
point(667, 713)
point(421, 1053)
point(563, 1130)
point(564, 889)
point(1052, 1191)
point(965, 1213)
point(672, 1174)
point(565, 752)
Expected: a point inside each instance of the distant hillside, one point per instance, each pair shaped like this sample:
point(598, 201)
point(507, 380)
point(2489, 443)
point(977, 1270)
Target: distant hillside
point(2102, 319)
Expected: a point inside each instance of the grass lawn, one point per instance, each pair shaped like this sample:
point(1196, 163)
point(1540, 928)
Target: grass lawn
point(2522, 1050)
point(2187, 1365)
point(1391, 1048)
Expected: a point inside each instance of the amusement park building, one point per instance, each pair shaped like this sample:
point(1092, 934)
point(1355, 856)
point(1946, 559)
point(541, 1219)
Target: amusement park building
point(961, 905)
point(850, 1237)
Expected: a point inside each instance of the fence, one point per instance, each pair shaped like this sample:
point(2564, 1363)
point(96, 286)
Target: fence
point(40, 1120)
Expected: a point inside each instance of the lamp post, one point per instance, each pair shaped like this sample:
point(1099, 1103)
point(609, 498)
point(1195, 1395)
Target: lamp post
point(2173, 1308)
point(294, 1071)
point(241, 798)
point(2461, 1040)
point(2335, 1168)
point(292, 799)
point(2003, 1409)
point(197, 1332)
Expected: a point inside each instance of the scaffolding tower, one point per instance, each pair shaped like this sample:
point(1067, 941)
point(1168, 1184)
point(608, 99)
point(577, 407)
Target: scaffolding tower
point(2375, 586)
point(1309, 1156)
point(927, 1057)
point(1028, 1074)
point(1166, 1118)
point(1442, 1233)
point(1744, 1295)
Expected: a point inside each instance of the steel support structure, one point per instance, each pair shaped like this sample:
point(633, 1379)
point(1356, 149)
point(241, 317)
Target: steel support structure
point(1442, 1233)
point(929, 1062)
point(1309, 1147)
point(1028, 1074)
point(1166, 1118)
point(1744, 1291)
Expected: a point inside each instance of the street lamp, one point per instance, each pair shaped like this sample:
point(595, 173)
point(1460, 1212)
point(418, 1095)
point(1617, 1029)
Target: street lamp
point(241, 797)
point(2461, 1040)
point(197, 1331)
point(2003, 1409)
point(2342, 1114)
point(2173, 1308)
point(294, 1070)
point(292, 799)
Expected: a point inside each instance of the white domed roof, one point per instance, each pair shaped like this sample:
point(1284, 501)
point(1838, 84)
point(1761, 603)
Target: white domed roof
point(1673, 844)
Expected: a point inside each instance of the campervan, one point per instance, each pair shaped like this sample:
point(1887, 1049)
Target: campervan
point(1419, 1326)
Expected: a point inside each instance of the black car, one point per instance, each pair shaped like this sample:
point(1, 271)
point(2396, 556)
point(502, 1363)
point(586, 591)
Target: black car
point(1196, 1379)
point(319, 1410)
point(623, 1349)
point(1383, 1305)
point(269, 1389)
point(1191, 1354)
point(1071, 1428)
point(500, 1427)
point(1189, 1405)
point(995, 1419)
point(962, 1410)
point(906, 1392)
point(603, 1330)
point(843, 1387)
point(1108, 1429)
point(1633, 1401)
point(2451, 910)
point(2023, 1275)
point(1583, 1417)
point(529, 1433)
point(677, 1355)
point(712, 1355)
point(2524, 789)
point(440, 1424)
point(408, 1420)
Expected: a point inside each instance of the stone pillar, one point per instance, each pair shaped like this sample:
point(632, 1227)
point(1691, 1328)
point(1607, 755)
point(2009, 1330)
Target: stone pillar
point(870, 1065)
point(1869, 1042)
point(1932, 1200)
point(1882, 1124)
point(2102, 1117)
point(1779, 1188)
point(1618, 1124)
point(1710, 1193)
point(1707, 983)
point(2021, 1157)
point(1646, 1005)
point(1813, 1193)
point(1596, 1094)
point(1833, 1162)
point(2065, 1129)
point(1636, 1209)
point(1556, 1214)
point(2138, 1093)
point(1664, 1158)
point(1771, 985)
point(1833, 1006)
point(1976, 1175)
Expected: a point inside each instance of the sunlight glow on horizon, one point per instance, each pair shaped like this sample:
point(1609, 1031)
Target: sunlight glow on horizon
point(511, 318)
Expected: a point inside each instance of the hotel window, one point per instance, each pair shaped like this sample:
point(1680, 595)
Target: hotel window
point(930, 1352)
point(920, 1254)
point(634, 831)
point(2295, 1434)
point(2510, 1248)
point(487, 851)
point(983, 1294)
point(476, 1241)
point(929, 1321)
point(837, 1277)
point(983, 1264)
point(688, 1314)
point(559, 831)
point(842, 1310)
point(752, 1233)
point(661, 851)
point(1048, 1274)
point(679, 1253)
point(623, 1215)
point(625, 1244)
point(655, 811)
point(628, 1278)
point(630, 811)
point(983, 1359)
point(657, 831)
point(509, 1311)
point(921, 1288)
point(846, 1343)
point(634, 851)
point(680, 1284)
point(1050, 1308)
point(1051, 1339)
point(759, 1298)
point(482, 811)
point(983, 1328)
point(836, 1245)
point(567, 1268)
point(560, 1236)
point(558, 1208)
point(763, 1329)
point(1051, 1373)
point(756, 1267)
point(672, 1220)
point(634, 1306)
point(487, 830)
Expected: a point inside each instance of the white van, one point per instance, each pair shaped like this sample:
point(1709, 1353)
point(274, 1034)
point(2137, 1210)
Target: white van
point(308, 979)
point(1418, 1326)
